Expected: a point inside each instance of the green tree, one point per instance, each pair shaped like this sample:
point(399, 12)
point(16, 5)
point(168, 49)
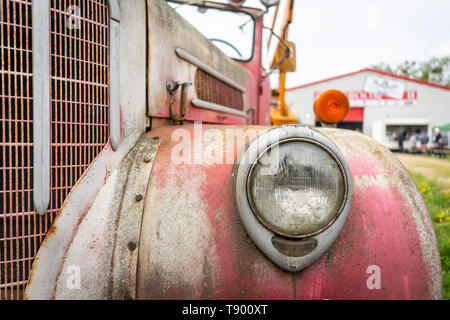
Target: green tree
point(435, 70)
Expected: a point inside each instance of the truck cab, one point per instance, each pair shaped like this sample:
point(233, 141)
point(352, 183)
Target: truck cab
point(153, 170)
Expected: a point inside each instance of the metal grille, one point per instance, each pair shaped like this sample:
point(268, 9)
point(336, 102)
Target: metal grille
point(21, 231)
point(79, 121)
point(213, 90)
point(78, 92)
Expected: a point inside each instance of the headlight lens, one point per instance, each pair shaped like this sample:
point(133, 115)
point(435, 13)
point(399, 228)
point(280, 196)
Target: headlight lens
point(296, 188)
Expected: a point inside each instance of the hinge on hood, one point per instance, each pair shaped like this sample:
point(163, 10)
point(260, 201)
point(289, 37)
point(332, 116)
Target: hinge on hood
point(172, 87)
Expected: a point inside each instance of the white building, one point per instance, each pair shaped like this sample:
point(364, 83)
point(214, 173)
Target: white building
point(382, 105)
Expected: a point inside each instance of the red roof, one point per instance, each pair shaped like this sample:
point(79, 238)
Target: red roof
point(375, 71)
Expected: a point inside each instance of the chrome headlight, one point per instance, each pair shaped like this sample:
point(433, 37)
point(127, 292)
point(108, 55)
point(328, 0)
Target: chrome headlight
point(292, 187)
point(299, 192)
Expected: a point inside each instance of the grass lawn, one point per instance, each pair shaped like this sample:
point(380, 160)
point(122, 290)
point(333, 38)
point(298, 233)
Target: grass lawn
point(437, 199)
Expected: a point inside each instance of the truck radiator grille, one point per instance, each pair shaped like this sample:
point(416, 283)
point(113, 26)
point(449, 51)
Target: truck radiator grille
point(213, 90)
point(79, 121)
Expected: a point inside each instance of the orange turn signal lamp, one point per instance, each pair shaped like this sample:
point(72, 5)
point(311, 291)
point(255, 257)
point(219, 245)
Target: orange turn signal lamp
point(331, 106)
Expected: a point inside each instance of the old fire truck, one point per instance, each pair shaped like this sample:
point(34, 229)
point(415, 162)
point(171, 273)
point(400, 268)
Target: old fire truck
point(138, 161)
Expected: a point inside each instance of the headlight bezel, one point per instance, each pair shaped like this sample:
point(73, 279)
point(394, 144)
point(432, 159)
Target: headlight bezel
point(252, 201)
point(258, 232)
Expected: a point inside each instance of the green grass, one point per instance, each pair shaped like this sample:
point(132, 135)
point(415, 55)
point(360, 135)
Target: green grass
point(434, 156)
point(438, 204)
point(444, 171)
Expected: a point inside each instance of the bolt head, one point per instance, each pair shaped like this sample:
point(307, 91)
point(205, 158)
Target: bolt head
point(132, 245)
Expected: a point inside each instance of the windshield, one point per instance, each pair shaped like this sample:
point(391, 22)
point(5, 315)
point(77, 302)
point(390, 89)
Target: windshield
point(231, 31)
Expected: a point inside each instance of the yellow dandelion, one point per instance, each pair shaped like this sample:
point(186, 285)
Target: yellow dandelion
point(440, 214)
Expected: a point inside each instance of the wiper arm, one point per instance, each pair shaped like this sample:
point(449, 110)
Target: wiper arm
point(251, 19)
point(188, 3)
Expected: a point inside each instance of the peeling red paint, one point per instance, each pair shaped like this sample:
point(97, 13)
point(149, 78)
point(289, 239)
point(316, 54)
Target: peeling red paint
point(380, 231)
point(375, 236)
point(223, 227)
point(363, 165)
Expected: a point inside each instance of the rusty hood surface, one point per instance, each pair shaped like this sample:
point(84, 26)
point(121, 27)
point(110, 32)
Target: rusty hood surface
point(187, 241)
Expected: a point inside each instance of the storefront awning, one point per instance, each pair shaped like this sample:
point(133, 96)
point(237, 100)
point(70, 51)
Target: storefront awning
point(356, 114)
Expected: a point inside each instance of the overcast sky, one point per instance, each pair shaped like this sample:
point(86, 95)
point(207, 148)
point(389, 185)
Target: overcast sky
point(336, 37)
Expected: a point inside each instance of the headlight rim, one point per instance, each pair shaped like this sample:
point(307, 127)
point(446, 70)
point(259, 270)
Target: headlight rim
point(252, 204)
point(257, 232)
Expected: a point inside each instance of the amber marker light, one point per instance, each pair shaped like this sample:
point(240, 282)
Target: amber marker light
point(331, 106)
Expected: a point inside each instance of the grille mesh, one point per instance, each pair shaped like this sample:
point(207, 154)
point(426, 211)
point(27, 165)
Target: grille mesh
point(213, 90)
point(79, 122)
point(78, 93)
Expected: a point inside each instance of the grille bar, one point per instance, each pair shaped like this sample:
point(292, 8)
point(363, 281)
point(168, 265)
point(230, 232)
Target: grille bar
point(41, 106)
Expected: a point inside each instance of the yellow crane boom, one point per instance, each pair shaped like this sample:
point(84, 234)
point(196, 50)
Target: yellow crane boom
point(284, 61)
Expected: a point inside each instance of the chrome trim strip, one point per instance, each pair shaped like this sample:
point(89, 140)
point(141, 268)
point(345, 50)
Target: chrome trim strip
point(190, 58)
point(114, 82)
point(114, 10)
point(41, 105)
point(217, 107)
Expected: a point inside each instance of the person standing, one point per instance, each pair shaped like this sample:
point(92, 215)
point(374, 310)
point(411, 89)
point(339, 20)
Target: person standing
point(424, 139)
point(412, 143)
point(401, 138)
point(438, 142)
point(437, 136)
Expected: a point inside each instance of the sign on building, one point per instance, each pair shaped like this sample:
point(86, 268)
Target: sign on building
point(366, 99)
point(383, 86)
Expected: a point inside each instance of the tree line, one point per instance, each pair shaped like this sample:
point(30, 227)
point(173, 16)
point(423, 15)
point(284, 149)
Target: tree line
point(435, 70)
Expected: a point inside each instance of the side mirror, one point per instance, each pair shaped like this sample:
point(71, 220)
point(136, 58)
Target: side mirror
point(236, 3)
point(285, 58)
point(269, 3)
